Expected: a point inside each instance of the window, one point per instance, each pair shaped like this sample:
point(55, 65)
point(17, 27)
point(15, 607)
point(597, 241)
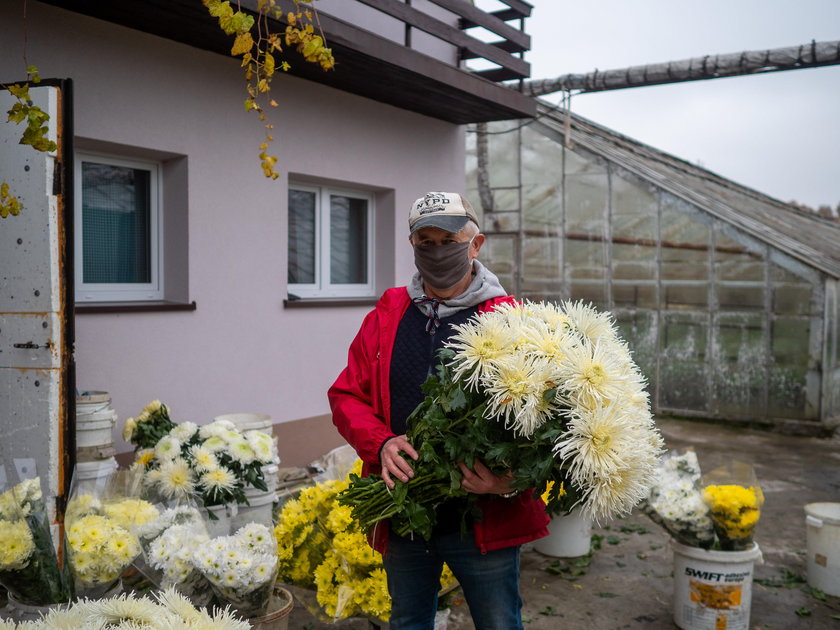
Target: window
point(330, 242)
point(118, 230)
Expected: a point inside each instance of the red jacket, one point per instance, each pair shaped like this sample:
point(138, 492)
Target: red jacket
point(361, 409)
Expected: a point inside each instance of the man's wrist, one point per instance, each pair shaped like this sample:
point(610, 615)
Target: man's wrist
point(509, 495)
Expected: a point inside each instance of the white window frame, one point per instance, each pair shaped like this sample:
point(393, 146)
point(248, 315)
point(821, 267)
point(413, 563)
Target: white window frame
point(121, 292)
point(323, 287)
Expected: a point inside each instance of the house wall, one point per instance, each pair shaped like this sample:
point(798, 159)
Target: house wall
point(240, 350)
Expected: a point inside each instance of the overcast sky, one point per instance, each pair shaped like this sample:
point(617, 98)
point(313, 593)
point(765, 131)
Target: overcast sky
point(778, 133)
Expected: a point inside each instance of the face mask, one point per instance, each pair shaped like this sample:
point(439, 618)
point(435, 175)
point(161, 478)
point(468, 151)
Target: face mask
point(443, 266)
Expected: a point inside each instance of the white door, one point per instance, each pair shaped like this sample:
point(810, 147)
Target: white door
point(36, 373)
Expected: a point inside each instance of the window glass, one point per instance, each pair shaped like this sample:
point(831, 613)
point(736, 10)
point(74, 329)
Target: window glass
point(302, 236)
point(330, 242)
point(119, 229)
point(116, 224)
point(348, 240)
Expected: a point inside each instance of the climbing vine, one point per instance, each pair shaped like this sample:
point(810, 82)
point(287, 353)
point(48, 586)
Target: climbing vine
point(34, 133)
point(257, 46)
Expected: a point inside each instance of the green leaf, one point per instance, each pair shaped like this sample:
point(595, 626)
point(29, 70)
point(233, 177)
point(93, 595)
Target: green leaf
point(803, 612)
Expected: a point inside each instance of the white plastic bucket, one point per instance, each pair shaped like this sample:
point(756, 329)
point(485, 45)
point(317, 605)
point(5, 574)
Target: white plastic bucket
point(822, 534)
point(95, 420)
point(99, 469)
point(713, 589)
point(260, 510)
point(249, 421)
point(222, 524)
point(95, 429)
point(569, 536)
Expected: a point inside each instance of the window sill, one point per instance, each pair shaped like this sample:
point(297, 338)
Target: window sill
point(133, 307)
point(321, 302)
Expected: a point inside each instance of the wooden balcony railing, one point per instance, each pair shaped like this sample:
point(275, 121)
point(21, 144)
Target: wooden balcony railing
point(503, 53)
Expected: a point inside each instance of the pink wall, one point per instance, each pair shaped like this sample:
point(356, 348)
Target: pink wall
point(240, 351)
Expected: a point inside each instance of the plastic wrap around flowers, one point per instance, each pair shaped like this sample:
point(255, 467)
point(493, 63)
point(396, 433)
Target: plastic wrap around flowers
point(676, 503)
point(29, 569)
point(717, 510)
point(102, 539)
point(548, 392)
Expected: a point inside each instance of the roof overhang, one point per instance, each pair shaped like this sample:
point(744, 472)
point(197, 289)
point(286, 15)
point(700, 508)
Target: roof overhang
point(366, 64)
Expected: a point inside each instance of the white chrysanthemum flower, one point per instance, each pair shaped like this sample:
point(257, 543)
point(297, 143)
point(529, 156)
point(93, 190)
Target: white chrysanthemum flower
point(588, 321)
point(168, 448)
point(478, 346)
point(516, 390)
point(591, 375)
point(133, 612)
point(203, 458)
point(184, 431)
point(241, 451)
point(263, 446)
point(615, 494)
point(218, 480)
point(547, 340)
point(597, 444)
point(215, 428)
point(176, 479)
point(215, 444)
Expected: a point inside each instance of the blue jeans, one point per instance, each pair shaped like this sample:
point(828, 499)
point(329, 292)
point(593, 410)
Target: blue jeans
point(490, 581)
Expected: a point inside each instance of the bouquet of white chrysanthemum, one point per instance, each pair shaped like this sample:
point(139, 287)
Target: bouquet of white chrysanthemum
point(167, 611)
point(215, 462)
point(29, 569)
point(242, 568)
point(675, 501)
point(547, 393)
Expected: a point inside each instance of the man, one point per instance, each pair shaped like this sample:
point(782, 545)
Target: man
point(391, 356)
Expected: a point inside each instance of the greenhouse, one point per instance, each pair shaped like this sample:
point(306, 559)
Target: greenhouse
point(728, 298)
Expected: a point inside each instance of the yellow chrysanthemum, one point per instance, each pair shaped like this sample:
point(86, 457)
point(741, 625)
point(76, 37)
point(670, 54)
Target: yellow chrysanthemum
point(16, 545)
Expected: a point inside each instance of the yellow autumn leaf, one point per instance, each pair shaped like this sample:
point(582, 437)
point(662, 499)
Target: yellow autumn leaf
point(268, 64)
point(242, 44)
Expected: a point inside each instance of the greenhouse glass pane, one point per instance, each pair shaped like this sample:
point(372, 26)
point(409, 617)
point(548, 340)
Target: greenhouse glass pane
point(638, 329)
point(792, 294)
point(543, 265)
point(634, 233)
point(634, 294)
point(542, 210)
point(740, 297)
point(677, 296)
point(590, 292)
point(739, 365)
point(577, 164)
point(684, 236)
point(738, 260)
point(585, 259)
point(498, 253)
point(503, 147)
point(789, 367)
point(542, 159)
point(586, 206)
point(682, 362)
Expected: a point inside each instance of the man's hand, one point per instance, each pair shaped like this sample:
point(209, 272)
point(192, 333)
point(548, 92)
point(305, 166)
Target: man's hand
point(481, 480)
point(393, 463)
